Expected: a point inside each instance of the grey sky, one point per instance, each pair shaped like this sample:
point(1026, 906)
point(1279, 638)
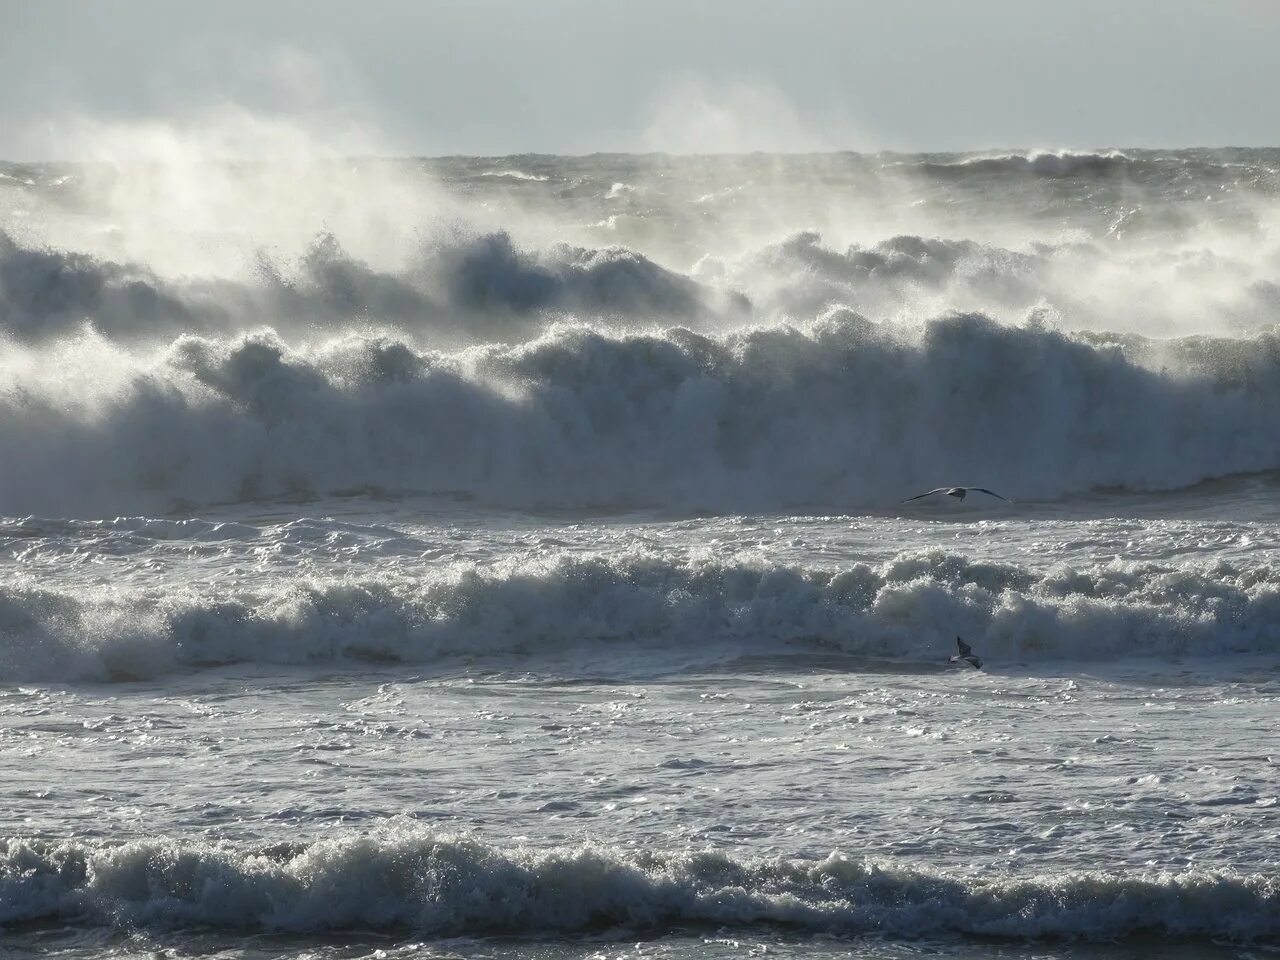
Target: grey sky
point(573, 76)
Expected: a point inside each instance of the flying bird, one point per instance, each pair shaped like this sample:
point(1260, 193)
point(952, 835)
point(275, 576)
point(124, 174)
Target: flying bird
point(958, 493)
point(966, 655)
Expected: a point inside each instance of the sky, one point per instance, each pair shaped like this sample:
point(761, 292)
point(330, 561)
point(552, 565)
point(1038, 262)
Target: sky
point(434, 77)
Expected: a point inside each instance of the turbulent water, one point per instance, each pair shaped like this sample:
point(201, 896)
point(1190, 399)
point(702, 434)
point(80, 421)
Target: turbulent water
point(506, 557)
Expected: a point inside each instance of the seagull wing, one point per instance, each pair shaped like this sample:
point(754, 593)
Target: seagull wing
point(965, 651)
point(990, 493)
point(930, 494)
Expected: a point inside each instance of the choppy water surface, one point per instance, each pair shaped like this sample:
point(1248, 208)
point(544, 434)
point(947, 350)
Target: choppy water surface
point(511, 564)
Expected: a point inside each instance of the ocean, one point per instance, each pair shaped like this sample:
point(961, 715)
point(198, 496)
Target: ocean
point(506, 557)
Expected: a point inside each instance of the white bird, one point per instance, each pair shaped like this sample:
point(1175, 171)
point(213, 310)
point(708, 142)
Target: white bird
point(958, 493)
point(966, 655)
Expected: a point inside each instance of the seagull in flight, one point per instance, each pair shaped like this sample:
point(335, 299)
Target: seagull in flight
point(966, 655)
point(958, 493)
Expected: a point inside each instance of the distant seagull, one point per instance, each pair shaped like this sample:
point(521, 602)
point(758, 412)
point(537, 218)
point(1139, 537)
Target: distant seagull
point(966, 655)
point(958, 493)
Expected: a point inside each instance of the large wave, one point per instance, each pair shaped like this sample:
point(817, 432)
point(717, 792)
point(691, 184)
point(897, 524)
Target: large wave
point(836, 414)
point(409, 879)
point(1069, 283)
point(460, 285)
point(641, 608)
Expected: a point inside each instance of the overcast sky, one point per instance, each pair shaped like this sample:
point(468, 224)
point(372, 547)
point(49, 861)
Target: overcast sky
point(576, 76)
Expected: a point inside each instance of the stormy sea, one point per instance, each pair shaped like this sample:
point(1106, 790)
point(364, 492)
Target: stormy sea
point(507, 557)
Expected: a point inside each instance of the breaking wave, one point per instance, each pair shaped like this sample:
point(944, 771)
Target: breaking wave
point(408, 879)
point(1074, 284)
point(836, 414)
point(467, 286)
point(1043, 163)
point(641, 609)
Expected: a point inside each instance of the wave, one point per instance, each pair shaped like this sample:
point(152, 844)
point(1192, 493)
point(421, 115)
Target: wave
point(405, 878)
point(1076, 284)
point(643, 609)
point(471, 286)
point(516, 175)
point(1145, 175)
point(836, 414)
point(1043, 163)
point(801, 276)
